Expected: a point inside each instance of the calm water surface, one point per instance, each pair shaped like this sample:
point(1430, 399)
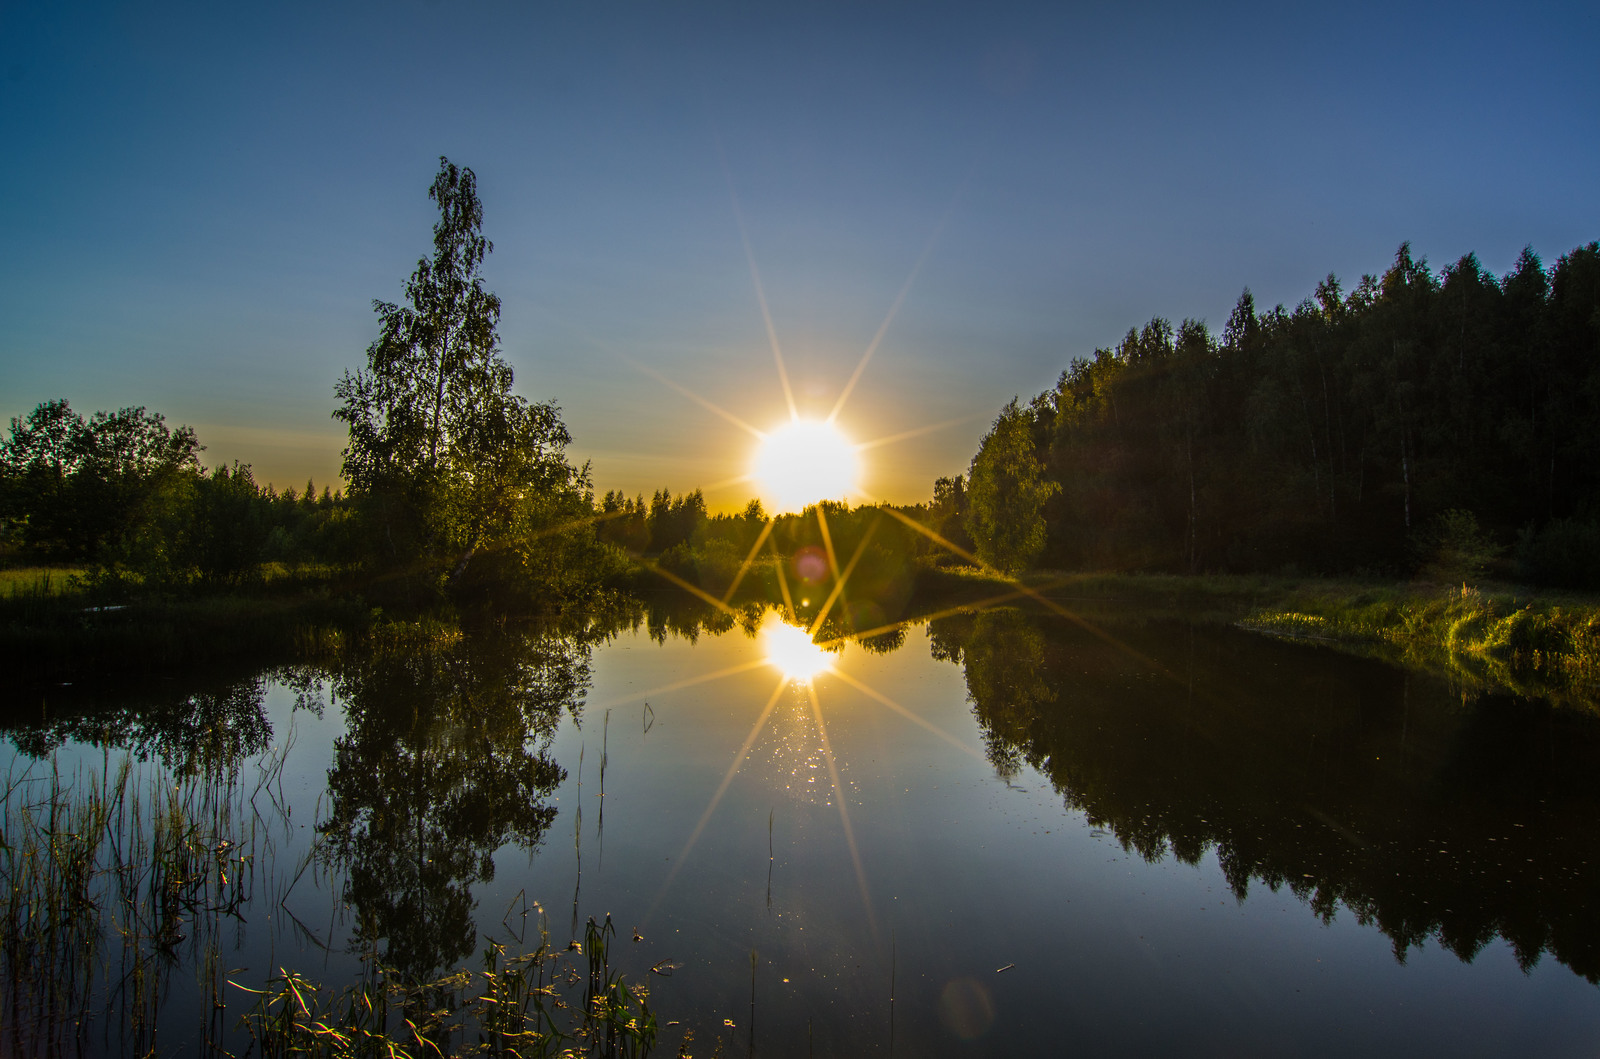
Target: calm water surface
point(992, 835)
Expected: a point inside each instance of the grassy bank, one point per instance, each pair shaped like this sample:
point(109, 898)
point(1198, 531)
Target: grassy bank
point(38, 580)
point(1493, 638)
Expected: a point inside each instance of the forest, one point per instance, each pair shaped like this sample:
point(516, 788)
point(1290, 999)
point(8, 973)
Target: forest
point(1442, 424)
point(1436, 426)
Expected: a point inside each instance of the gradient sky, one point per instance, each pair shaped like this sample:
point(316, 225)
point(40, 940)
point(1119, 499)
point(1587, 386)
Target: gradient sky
point(198, 204)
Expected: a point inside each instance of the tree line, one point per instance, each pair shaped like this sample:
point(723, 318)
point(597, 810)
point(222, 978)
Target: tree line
point(454, 481)
point(1444, 423)
point(126, 495)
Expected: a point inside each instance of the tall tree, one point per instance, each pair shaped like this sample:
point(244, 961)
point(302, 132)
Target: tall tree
point(442, 454)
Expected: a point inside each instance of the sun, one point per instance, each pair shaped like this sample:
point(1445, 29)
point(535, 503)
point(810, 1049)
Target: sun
point(804, 461)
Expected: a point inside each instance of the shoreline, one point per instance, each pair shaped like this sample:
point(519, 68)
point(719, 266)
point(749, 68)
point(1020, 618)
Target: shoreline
point(1492, 637)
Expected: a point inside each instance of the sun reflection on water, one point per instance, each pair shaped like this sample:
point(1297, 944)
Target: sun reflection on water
point(791, 651)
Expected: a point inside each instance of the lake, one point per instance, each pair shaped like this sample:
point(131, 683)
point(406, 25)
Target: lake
point(990, 833)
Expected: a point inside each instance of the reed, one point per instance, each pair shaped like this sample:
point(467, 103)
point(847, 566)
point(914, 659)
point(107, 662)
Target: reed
point(109, 882)
point(115, 882)
point(550, 1002)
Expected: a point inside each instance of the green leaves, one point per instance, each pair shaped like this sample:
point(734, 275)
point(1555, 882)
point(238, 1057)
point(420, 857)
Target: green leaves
point(443, 457)
point(1007, 492)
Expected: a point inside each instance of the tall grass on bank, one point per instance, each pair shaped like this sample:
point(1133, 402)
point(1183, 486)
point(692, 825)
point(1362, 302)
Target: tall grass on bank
point(121, 893)
point(107, 884)
point(548, 1002)
point(1488, 640)
point(39, 580)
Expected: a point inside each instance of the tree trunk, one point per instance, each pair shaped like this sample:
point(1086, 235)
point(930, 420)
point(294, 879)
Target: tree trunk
point(461, 566)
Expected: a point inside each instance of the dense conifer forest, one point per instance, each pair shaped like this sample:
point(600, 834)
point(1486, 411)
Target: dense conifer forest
point(1437, 423)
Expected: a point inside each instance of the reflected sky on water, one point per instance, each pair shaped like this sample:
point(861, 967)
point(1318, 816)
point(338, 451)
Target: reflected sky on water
point(1028, 838)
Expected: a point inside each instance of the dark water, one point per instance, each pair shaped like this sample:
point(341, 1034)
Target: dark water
point(994, 834)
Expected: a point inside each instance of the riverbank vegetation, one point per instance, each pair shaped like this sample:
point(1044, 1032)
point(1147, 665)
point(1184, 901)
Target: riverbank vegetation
point(1431, 427)
point(115, 885)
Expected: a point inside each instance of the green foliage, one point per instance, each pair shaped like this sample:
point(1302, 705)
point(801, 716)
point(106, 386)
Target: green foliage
point(1454, 548)
point(1007, 492)
point(1331, 436)
point(443, 459)
point(1564, 553)
point(91, 490)
point(624, 522)
point(229, 528)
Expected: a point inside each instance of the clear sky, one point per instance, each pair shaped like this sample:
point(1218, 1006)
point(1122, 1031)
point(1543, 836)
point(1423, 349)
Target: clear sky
point(199, 203)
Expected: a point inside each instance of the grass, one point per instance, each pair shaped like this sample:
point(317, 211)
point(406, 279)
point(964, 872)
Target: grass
point(1493, 639)
point(106, 882)
point(1490, 638)
point(565, 1001)
point(38, 581)
point(119, 888)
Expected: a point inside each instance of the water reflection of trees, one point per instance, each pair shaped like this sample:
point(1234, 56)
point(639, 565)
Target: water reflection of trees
point(444, 760)
point(202, 730)
point(1344, 781)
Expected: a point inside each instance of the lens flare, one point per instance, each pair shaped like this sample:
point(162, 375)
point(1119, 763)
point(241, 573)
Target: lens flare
point(805, 461)
point(793, 653)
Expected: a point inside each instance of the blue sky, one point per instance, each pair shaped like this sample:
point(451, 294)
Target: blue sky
point(198, 204)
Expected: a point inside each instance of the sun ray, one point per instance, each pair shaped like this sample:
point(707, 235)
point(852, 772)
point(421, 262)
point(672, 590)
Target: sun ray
point(783, 583)
point(728, 483)
point(959, 608)
point(711, 807)
point(906, 435)
point(1032, 593)
point(679, 685)
point(696, 398)
point(839, 582)
point(687, 586)
point(894, 309)
point(920, 619)
point(844, 812)
point(827, 543)
point(873, 693)
point(833, 559)
point(744, 567)
point(761, 294)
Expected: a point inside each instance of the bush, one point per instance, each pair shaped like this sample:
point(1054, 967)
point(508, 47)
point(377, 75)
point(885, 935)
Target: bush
point(1454, 548)
point(1565, 554)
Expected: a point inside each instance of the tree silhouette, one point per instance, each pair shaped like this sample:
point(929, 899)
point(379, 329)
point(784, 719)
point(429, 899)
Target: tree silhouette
point(1006, 492)
point(442, 455)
